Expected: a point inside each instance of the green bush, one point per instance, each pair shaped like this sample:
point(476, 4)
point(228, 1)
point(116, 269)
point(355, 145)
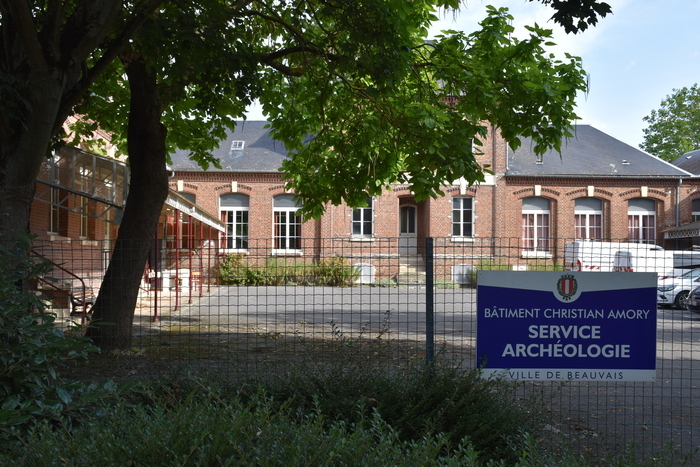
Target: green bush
point(206, 428)
point(31, 347)
point(424, 400)
point(335, 271)
point(232, 270)
point(204, 422)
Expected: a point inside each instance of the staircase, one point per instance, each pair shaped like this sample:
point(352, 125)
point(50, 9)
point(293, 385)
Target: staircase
point(411, 271)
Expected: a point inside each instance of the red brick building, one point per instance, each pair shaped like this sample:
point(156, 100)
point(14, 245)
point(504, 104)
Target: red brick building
point(598, 188)
point(77, 208)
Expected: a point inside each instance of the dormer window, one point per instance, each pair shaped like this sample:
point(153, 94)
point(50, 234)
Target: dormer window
point(237, 144)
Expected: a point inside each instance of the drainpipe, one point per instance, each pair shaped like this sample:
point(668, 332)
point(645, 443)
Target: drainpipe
point(678, 202)
point(678, 206)
point(494, 195)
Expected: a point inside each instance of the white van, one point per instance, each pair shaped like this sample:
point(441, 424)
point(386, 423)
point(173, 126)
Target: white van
point(666, 263)
point(585, 255)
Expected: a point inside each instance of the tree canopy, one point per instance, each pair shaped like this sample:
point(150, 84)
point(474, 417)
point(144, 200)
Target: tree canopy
point(674, 128)
point(53, 53)
point(355, 90)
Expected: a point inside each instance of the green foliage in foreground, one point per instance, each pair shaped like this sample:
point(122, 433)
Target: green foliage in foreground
point(334, 271)
point(207, 430)
point(32, 349)
point(422, 401)
point(192, 422)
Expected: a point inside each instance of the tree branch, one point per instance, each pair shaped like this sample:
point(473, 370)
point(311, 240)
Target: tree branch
point(55, 11)
point(19, 12)
point(96, 18)
point(140, 16)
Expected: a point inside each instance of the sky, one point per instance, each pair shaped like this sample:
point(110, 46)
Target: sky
point(634, 58)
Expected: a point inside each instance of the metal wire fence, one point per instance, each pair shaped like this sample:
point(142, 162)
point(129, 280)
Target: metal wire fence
point(383, 303)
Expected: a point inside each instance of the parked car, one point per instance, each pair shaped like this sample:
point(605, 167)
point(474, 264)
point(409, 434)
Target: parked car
point(674, 290)
point(693, 301)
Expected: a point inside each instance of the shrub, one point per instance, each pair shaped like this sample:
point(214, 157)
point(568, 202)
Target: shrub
point(232, 270)
point(333, 271)
point(31, 347)
point(422, 401)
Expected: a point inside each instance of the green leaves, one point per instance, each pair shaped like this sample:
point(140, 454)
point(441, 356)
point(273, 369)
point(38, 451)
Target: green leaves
point(674, 128)
point(426, 127)
point(355, 90)
point(31, 348)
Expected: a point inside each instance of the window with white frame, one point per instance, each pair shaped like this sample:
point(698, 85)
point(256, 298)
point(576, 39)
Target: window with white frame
point(363, 220)
point(54, 211)
point(588, 219)
point(641, 220)
point(696, 210)
point(84, 218)
point(536, 224)
point(234, 208)
point(462, 217)
point(286, 224)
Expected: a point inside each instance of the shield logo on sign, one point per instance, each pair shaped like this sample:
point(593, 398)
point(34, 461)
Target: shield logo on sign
point(567, 286)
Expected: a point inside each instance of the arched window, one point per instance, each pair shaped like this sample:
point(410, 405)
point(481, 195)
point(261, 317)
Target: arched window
point(234, 213)
point(536, 227)
point(641, 220)
point(588, 214)
point(286, 224)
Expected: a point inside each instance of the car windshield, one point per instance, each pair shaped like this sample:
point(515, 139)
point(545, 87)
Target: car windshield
point(690, 274)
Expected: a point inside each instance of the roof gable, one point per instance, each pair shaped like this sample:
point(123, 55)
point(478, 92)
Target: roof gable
point(590, 153)
point(690, 161)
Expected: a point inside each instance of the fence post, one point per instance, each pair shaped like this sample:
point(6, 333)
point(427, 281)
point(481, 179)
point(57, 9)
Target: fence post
point(429, 301)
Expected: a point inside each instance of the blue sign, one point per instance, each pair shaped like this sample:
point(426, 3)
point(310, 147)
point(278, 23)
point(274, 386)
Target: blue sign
point(579, 326)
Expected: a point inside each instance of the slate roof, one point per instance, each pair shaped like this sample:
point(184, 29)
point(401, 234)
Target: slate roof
point(689, 161)
point(260, 153)
point(590, 153)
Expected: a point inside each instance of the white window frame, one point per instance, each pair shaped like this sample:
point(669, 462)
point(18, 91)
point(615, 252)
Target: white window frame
point(84, 218)
point(54, 212)
point(237, 230)
point(362, 221)
point(586, 216)
point(641, 221)
point(536, 228)
point(286, 227)
point(695, 214)
point(458, 226)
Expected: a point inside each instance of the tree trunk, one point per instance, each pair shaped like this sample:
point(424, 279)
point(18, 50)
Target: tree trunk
point(24, 142)
point(113, 313)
